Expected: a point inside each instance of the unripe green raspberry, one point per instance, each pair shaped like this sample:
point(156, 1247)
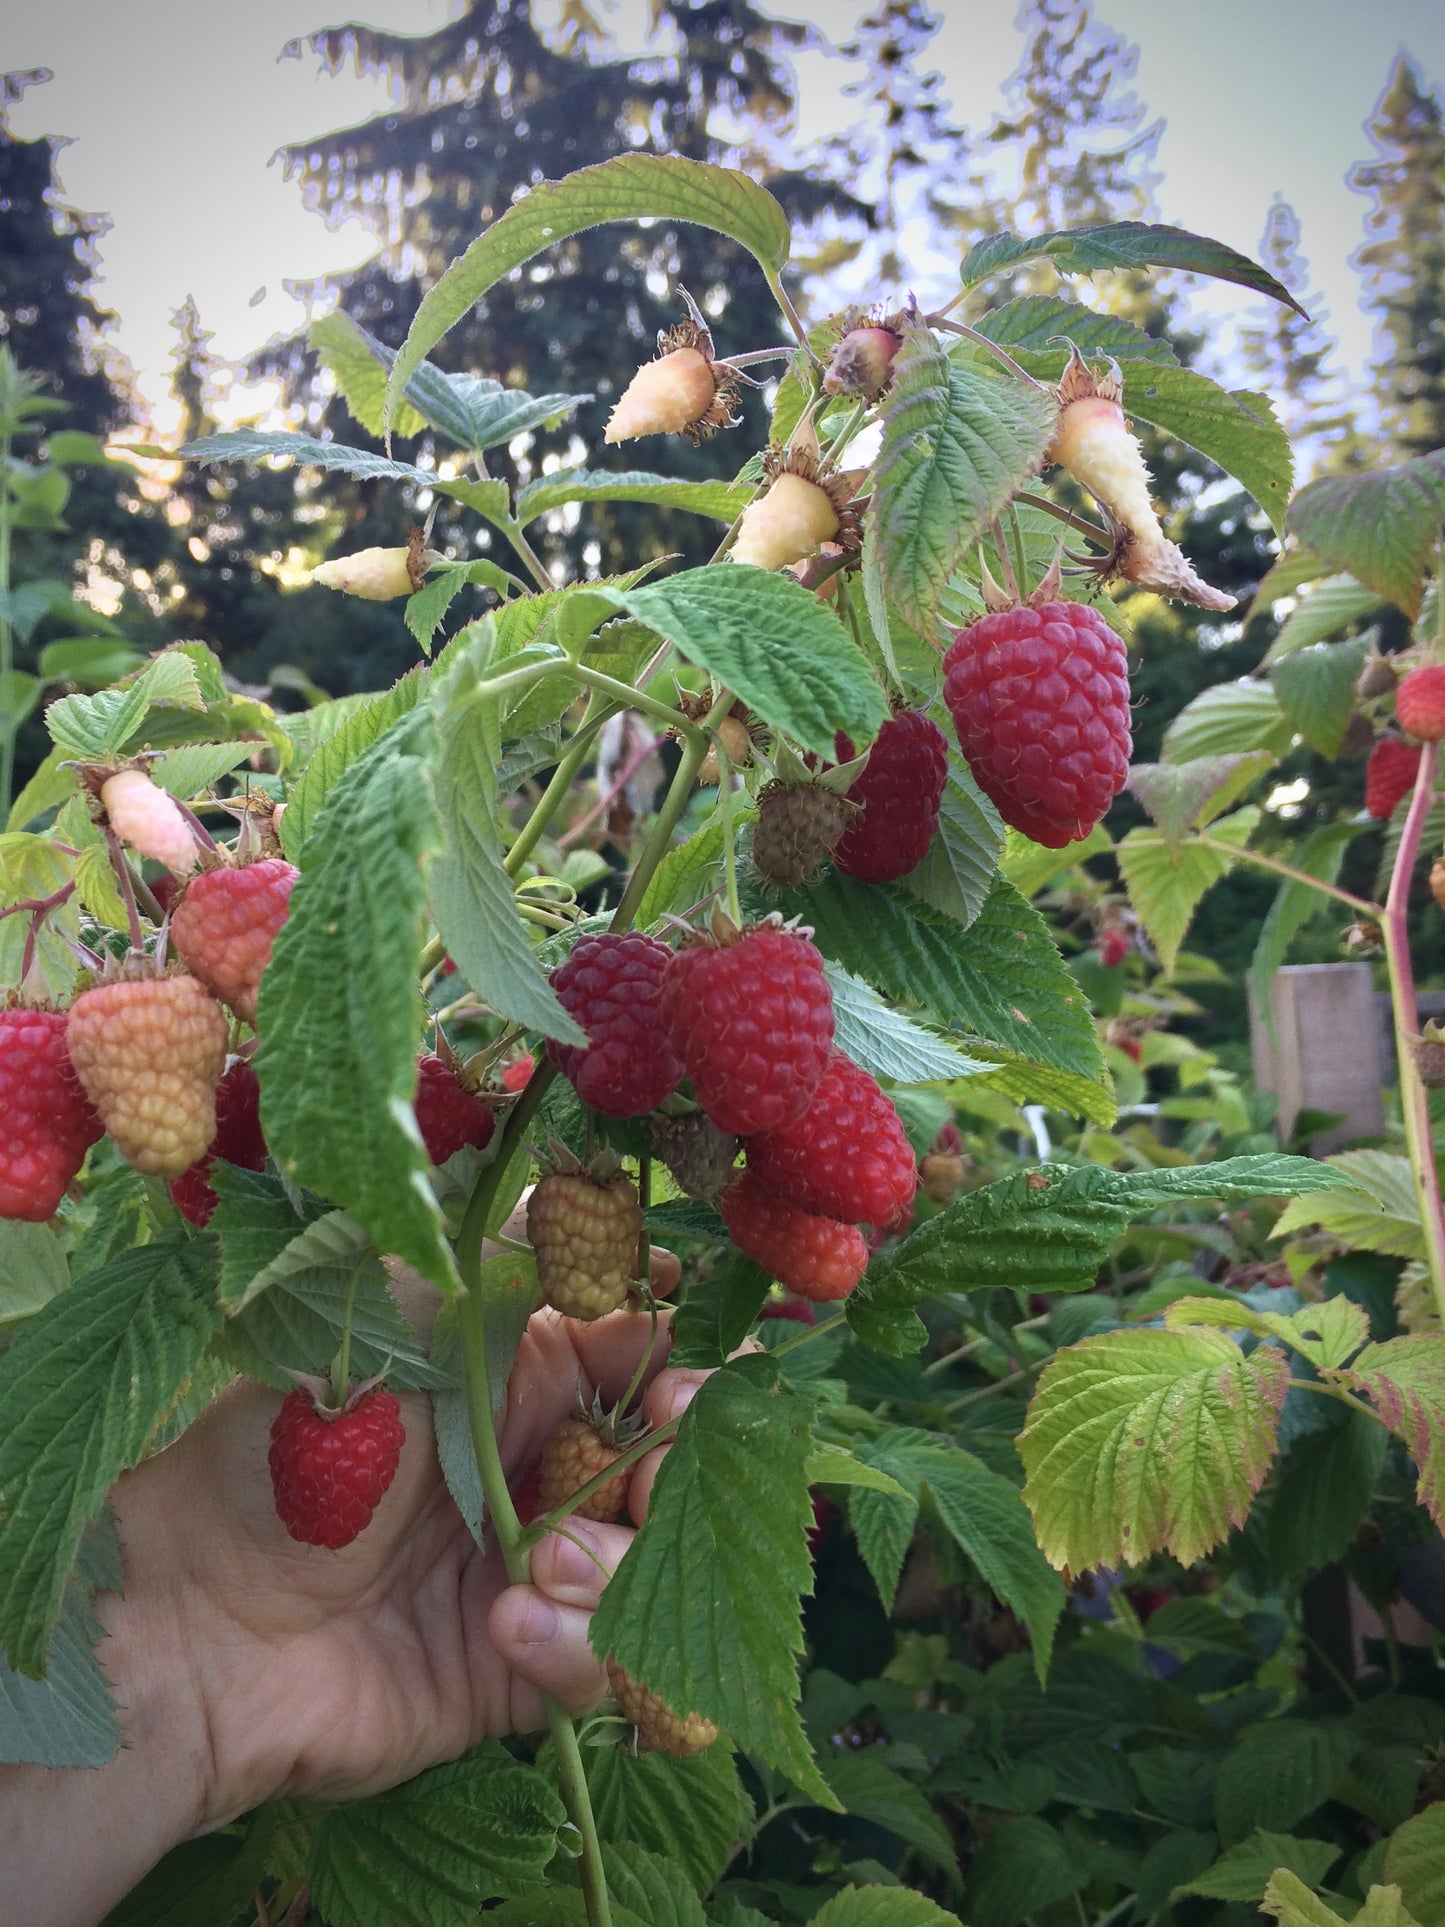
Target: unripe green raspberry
point(798, 828)
point(585, 1233)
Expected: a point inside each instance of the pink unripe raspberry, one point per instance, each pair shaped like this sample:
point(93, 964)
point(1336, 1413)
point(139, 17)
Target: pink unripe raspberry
point(862, 363)
point(1420, 703)
point(143, 815)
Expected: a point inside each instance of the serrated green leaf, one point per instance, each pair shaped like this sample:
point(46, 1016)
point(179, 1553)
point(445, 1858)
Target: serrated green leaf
point(192, 768)
point(881, 1907)
point(1326, 1334)
point(1415, 1862)
point(1316, 690)
point(684, 875)
point(723, 501)
point(341, 1014)
point(1124, 244)
point(1374, 1210)
point(1380, 527)
point(956, 444)
point(883, 1527)
point(1036, 325)
point(1405, 1381)
point(1226, 718)
point(771, 642)
point(427, 1853)
point(48, 787)
point(1276, 1774)
point(426, 610)
point(1243, 1872)
point(649, 1888)
point(1289, 1901)
point(1238, 430)
point(1180, 797)
point(337, 751)
point(108, 720)
point(1000, 986)
point(1328, 608)
point(32, 1269)
point(957, 871)
point(716, 1311)
point(1317, 1498)
point(1166, 884)
point(870, 1791)
point(833, 1465)
point(1140, 1442)
point(690, 1811)
point(276, 444)
point(628, 187)
point(1021, 1868)
point(705, 1607)
point(1029, 866)
point(200, 1882)
point(68, 1718)
point(358, 363)
point(91, 660)
point(885, 1042)
point(80, 1390)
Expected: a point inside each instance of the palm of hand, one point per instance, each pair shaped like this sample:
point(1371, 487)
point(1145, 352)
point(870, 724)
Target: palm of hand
point(328, 1675)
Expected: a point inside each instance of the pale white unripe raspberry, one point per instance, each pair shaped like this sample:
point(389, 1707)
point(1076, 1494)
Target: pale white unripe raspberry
point(789, 523)
point(377, 575)
point(1094, 444)
point(664, 397)
point(142, 815)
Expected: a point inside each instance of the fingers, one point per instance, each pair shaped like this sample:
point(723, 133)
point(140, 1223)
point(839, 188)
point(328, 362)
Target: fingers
point(667, 1398)
point(572, 1565)
point(541, 1629)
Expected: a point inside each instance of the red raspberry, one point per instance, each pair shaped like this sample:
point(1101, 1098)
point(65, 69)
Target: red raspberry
point(1389, 775)
point(797, 1311)
point(225, 924)
point(575, 1453)
point(517, 1075)
point(1420, 703)
point(900, 791)
point(448, 1115)
point(816, 1257)
point(612, 985)
point(238, 1140)
point(150, 1052)
point(330, 1469)
point(659, 1729)
point(1113, 947)
point(1040, 701)
point(49, 1122)
point(585, 1234)
point(751, 1017)
point(846, 1157)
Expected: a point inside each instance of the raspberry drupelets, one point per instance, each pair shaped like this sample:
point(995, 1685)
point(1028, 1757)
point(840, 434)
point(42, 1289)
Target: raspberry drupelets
point(814, 1256)
point(1420, 703)
point(899, 791)
point(225, 924)
point(659, 1729)
point(575, 1453)
point(1389, 775)
point(150, 1052)
point(846, 1157)
point(751, 1017)
point(329, 1470)
point(238, 1141)
point(47, 1123)
point(1040, 700)
point(612, 985)
point(447, 1114)
point(584, 1232)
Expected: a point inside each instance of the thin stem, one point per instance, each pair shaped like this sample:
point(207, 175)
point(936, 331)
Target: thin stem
point(610, 795)
point(1011, 581)
point(725, 812)
point(809, 1331)
point(197, 827)
point(536, 567)
point(127, 889)
point(1079, 522)
point(644, 1247)
point(341, 1370)
point(1414, 1101)
point(7, 731)
point(1336, 1392)
point(845, 434)
point(638, 1449)
point(757, 354)
point(535, 827)
point(794, 320)
point(627, 697)
point(972, 334)
point(1360, 906)
point(999, 1385)
point(673, 805)
point(521, 678)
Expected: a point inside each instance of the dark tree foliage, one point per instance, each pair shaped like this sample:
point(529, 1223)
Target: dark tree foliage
point(1290, 357)
point(1403, 263)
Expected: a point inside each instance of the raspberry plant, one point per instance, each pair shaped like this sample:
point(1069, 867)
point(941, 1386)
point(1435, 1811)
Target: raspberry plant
point(434, 891)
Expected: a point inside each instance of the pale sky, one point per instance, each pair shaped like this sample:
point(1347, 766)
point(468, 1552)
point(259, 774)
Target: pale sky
point(175, 107)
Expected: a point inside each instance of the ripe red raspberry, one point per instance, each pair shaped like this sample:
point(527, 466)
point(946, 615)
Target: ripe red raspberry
point(330, 1469)
point(584, 1232)
point(49, 1122)
point(798, 827)
point(699, 1155)
point(659, 1729)
point(238, 1140)
point(900, 791)
point(225, 924)
point(612, 985)
point(1420, 703)
point(517, 1075)
point(1040, 701)
point(751, 1016)
point(448, 1115)
point(575, 1453)
point(846, 1157)
point(150, 1052)
point(1389, 775)
point(796, 1311)
point(814, 1256)
point(1113, 947)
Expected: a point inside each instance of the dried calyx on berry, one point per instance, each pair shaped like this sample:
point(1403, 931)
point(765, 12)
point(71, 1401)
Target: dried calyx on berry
point(1094, 444)
point(379, 575)
point(684, 390)
point(862, 359)
point(802, 509)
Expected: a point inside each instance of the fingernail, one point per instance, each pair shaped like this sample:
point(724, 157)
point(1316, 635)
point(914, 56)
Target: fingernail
point(575, 1563)
point(683, 1397)
point(541, 1621)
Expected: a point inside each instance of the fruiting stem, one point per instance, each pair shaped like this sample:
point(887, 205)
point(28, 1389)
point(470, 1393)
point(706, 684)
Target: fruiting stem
point(1080, 522)
point(845, 434)
point(533, 830)
point(757, 354)
point(673, 805)
point(725, 811)
point(810, 1331)
point(536, 567)
point(197, 827)
point(127, 890)
point(630, 698)
point(1414, 1101)
point(972, 334)
point(624, 1462)
point(1359, 905)
point(794, 320)
point(644, 1246)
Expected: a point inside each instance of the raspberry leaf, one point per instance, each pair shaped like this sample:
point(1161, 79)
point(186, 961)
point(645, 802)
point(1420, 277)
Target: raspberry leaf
point(1415, 1862)
point(1370, 1206)
point(90, 725)
point(340, 1011)
point(348, 740)
point(1405, 1381)
point(706, 1606)
point(873, 1792)
point(80, 1391)
point(689, 1811)
point(885, 1042)
point(1140, 1442)
point(1232, 716)
point(1316, 690)
point(1032, 327)
point(881, 1907)
point(69, 1717)
point(482, 1827)
point(32, 1270)
point(1167, 884)
point(1244, 1871)
point(956, 874)
point(1379, 527)
point(1124, 244)
point(650, 1887)
point(628, 187)
point(724, 501)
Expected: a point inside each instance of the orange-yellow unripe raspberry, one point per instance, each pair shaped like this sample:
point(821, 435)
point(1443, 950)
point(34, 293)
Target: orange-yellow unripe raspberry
point(789, 523)
point(659, 1729)
point(664, 397)
point(143, 815)
point(376, 575)
point(575, 1453)
point(584, 1233)
point(149, 1052)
